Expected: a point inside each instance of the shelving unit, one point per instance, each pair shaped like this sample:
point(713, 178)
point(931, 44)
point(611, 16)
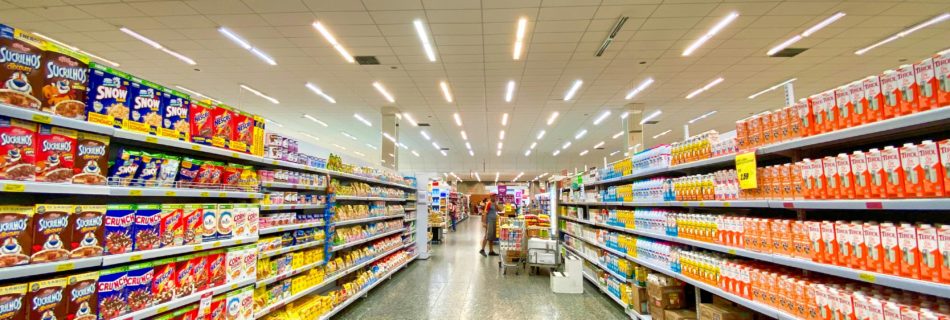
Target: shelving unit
point(365, 240)
point(365, 220)
point(150, 312)
point(290, 227)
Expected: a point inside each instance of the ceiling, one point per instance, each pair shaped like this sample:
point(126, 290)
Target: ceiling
point(473, 42)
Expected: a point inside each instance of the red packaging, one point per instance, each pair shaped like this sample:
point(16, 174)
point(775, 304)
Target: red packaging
point(199, 269)
point(842, 257)
point(21, 72)
point(942, 73)
point(858, 101)
point(164, 281)
point(874, 99)
point(222, 118)
point(910, 251)
point(184, 273)
point(17, 149)
point(845, 107)
point(202, 127)
point(170, 228)
point(231, 175)
point(192, 219)
point(216, 268)
point(209, 174)
point(243, 134)
point(927, 85)
point(218, 308)
point(55, 154)
point(909, 91)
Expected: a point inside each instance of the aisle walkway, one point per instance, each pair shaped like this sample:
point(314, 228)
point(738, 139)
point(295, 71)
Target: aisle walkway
point(458, 283)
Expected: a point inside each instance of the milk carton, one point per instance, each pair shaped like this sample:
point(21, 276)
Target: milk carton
point(862, 177)
point(873, 99)
point(845, 107)
point(942, 75)
point(858, 100)
point(910, 92)
point(832, 178)
point(891, 249)
point(913, 173)
point(930, 259)
point(927, 85)
point(872, 248)
point(910, 251)
point(845, 176)
point(893, 173)
point(890, 87)
point(876, 170)
point(932, 174)
point(943, 245)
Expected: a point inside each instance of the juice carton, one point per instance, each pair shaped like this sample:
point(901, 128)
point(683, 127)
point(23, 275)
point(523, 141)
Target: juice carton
point(799, 239)
point(913, 173)
point(842, 235)
point(943, 244)
point(810, 188)
point(891, 249)
point(798, 186)
point(932, 173)
point(858, 101)
point(829, 107)
point(795, 128)
point(754, 125)
point(832, 178)
point(893, 173)
point(846, 176)
point(862, 177)
point(741, 134)
point(942, 75)
point(829, 242)
point(876, 170)
point(874, 99)
point(909, 91)
point(910, 251)
point(872, 248)
point(890, 88)
point(785, 176)
point(845, 107)
point(926, 81)
point(779, 125)
point(930, 259)
point(856, 242)
point(765, 123)
point(943, 151)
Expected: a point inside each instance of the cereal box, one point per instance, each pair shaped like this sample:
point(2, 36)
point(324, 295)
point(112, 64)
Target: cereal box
point(253, 212)
point(240, 220)
point(175, 115)
point(184, 273)
point(210, 222)
point(164, 280)
point(234, 263)
point(148, 218)
point(216, 268)
point(199, 267)
point(242, 136)
point(222, 118)
point(51, 232)
point(171, 225)
point(118, 228)
point(250, 261)
point(201, 124)
point(247, 303)
point(55, 154)
point(138, 286)
point(233, 305)
point(112, 297)
point(219, 308)
point(21, 63)
point(13, 305)
point(92, 156)
point(107, 102)
point(192, 226)
point(145, 113)
point(46, 299)
point(82, 294)
point(65, 78)
point(257, 145)
point(17, 149)
point(17, 235)
point(225, 219)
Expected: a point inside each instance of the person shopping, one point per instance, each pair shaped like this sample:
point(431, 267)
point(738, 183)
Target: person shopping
point(488, 222)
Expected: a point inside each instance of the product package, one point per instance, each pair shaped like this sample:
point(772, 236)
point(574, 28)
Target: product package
point(86, 231)
point(138, 286)
point(175, 115)
point(81, 290)
point(17, 148)
point(46, 299)
point(112, 296)
point(17, 221)
point(201, 124)
point(171, 226)
point(118, 228)
point(192, 224)
point(92, 152)
point(55, 154)
point(145, 113)
point(148, 218)
point(222, 118)
point(65, 81)
point(107, 102)
point(21, 77)
point(51, 232)
point(164, 281)
point(12, 303)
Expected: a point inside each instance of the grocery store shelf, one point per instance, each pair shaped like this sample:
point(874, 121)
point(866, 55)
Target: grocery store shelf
point(272, 207)
point(409, 220)
point(285, 275)
point(364, 291)
point(365, 220)
point(51, 188)
point(181, 192)
point(693, 204)
point(48, 268)
point(337, 174)
point(284, 185)
point(290, 227)
point(289, 249)
point(43, 117)
point(865, 204)
point(635, 175)
point(173, 251)
point(597, 263)
point(183, 301)
point(714, 161)
point(361, 241)
point(358, 198)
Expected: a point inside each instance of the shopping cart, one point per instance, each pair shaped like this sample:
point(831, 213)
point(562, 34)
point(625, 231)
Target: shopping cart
point(511, 239)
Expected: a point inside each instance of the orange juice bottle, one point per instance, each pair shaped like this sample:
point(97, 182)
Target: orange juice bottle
point(930, 259)
point(858, 103)
point(910, 251)
point(943, 243)
point(876, 169)
point(846, 185)
point(845, 107)
point(891, 249)
point(893, 173)
point(873, 250)
point(932, 172)
point(892, 94)
point(927, 84)
point(862, 177)
point(843, 255)
point(909, 91)
point(830, 243)
point(913, 173)
point(832, 178)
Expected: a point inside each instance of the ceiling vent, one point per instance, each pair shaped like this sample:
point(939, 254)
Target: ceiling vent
point(366, 60)
point(610, 36)
point(421, 124)
point(789, 52)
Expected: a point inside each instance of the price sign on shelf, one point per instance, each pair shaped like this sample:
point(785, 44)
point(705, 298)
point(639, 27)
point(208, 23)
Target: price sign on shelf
point(745, 169)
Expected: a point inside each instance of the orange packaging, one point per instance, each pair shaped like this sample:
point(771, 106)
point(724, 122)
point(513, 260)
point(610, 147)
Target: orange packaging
point(858, 101)
point(891, 249)
point(777, 189)
point(910, 92)
point(785, 176)
point(845, 176)
point(807, 184)
point(823, 303)
point(832, 178)
point(765, 236)
point(893, 173)
point(845, 305)
point(799, 239)
point(754, 125)
point(842, 235)
point(767, 186)
point(829, 243)
point(872, 248)
point(943, 151)
point(816, 176)
point(913, 173)
point(858, 257)
point(780, 119)
point(818, 105)
point(875, 309)
point(890, 87)
point(927, 85)
point(750, 237)
point(910, 251)
point(845, 107)
point(933, 173)
point(930, 259)
point(742, 134)
point(765, 121)
point(876, 171)
point(785, 238)
point(874, 99)
point(795, 174)
point(943, 243)
point(797, 120)
point(829, 107)
point(942, 75)
point(862, 177)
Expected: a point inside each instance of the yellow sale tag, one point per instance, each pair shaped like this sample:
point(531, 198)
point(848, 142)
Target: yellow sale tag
point(170, 193)
point(216, 244)
point(867, 277)
point(195, 147)
point(14, 187)
point(135, 192)
point(235, 155)
point(205, 194)
point(223, 194)
point(42, 118)
point(745, 169)
point(151, 139)
point(135, 257)
point(65, 267)
point(726, 204)
point(199, 248)
point(732, 251)
point(162, 309)
point(274, 162)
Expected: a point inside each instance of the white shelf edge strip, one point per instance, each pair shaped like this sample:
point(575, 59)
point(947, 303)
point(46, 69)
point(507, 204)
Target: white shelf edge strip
point(290, 227)
point(285, 185)
point(364, 220)
point(834, 204)
point(290, 249)
point(360, 198)
point(351, 244)
point(172, 251)
point(49, 267)
point(364, 291)
point(268, 207)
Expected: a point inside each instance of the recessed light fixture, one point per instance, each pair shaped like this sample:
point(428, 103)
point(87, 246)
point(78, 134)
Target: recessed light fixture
point(339, 146)
point(348, 135)
point(501, 135)
point(704, 88)
point(527, 152)
point(584, 152)
point(809, 32)
point(510, 92)
point(424, 37)
point(932, 21)
point(772, 88)
point(661, 134)
point(643, 86)
point(157, 45)
point(382, 90)
point(371, 146)
point(247, 46)
point(704, 116)
point(573, 90)
point(464, 136)
point(458, 119)
point(425, 135)
point(504, 119)
point(553, 117)
point(712, 32)
point(389, 137)
point(556, 152)
point(598, 145)
point(415, 153)
point(614, 153)
point(319, 92)
point(336, 45)
point(259, 94)
point(617, 135)
point(315, 120)
point(113, 63)
point(541, 134)
point(410, 119)
point(445, 91)
point(310, 136)
point(519, 38)
point(580, 134)
point(566, 145)
point(363, 120)
point(651, 117)
point(602, 117)
point(198, 94)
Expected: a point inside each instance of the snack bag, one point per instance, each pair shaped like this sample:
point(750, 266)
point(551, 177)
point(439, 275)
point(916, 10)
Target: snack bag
point(21, 73)
point(17, 148)
point(122, 172)
point(231, 175)
point(56, 154)
point(175, 118)
point(201, 124)
point(188, 172)
point(147, 175)
point(145, 107)
point(92, 152)
point(108, 100)
point(65, 80)
point(168, 172)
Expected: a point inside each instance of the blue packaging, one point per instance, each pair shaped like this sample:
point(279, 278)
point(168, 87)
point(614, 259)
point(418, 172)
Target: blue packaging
point(107, 102)
point(175, 123)
point(146, 229)
point(138, 286)
point(118, 228)
point(145, 113)
point(147, 175)
point(122, 171)
point(188, 171)
point(112, 297)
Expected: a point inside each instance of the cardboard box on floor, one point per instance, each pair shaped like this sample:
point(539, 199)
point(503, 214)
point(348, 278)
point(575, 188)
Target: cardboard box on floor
point(666, 297)
point(638, 300)
point(709, 311)
point(682, 314)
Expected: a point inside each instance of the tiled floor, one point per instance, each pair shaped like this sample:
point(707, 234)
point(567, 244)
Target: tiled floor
point(458, 283)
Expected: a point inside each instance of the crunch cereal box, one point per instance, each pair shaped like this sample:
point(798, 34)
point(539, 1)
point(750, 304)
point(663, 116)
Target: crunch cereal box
point(108, 98)
point(21, 63)
point(112, 297)
point(138, 286)
point(118, 228)
point(145, 107)
point(66, 75)
point(56, 154)
point(201, 124)
point(148, 217)
point(82, 294)
point(175, 115)
point(17, 149)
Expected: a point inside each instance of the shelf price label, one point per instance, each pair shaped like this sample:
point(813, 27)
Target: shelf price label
point(42, 118)
point(14, 187)
point(745, 169)
point(65, 267)
point(867, 277)
point(135, 192)
point(151, 139)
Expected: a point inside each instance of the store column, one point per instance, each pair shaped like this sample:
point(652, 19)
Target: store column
point(633, 127)
point(388, 149)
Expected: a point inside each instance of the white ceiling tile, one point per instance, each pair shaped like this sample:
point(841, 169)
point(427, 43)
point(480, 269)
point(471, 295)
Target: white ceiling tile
point(334, 5)
point(185, 22)
point(239, 20)
point(502, 4)
point(219, 6)
point(60, 13)
point(509, 15)
point(397, 17)
point(454, 16)
point(451, 4)
point(567, 13)
point(375, 5)
point(802, 8)
point(110, 10)
point(343, 18)
point(455, 28)
point(683, 10)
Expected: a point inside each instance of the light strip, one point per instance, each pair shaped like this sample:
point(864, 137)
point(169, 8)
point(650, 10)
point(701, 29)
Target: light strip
point(617, 135)
point(662, 134)
point(772, 88)
point(651, 116)
point(543, 175)
point(478, 177)
point(566, 145)
point(348, 135)
point(198, 94)
point(339, 146)
point(500, 144)
point(371, 146)
point(541, 134)
point(553, 117)
point(509, 94)
point(158, 46)
point(598, 145)
point(518, 176)
point(783, 45)
point(602, 117)
point(179, 56)
point(527, 152)
point(363, 120)
point(402, 145)
point(424, 37)
point(389, 137)
point(498, 153)
point(570, 93)
point(556, 152)
point(415, 153)
point(471, 153)
point(274, 122)
point(614, 153)
point(501, 135)
point(260, 94)
point(311, 136)
point(580, 134)
point(458, 119)
point(712, 32)
point(704, 88)
point(425, 135)
point(807, 33)
point(533, 144)
point(702, 116)
point(359, 153)
point(247, 46)
point(643, 86)
point(319, 92)
point(464, 136)
point(904, 33)
point(468, 145)
point(584, 152)
point(315, 120)
point(504, 119)
point(519, 38)
point(444, 154)
point(624, 115)
point(263, 56)
point(410, 119)
point(336, 45)
point(446, 93)
point(382, 90)
point(114, 64)
point(496, 176)
point(436, 145)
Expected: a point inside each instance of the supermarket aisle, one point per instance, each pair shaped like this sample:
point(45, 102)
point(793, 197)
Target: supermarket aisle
point(458, 283)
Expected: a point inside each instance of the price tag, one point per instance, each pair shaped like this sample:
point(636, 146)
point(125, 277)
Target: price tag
point(195, 147)
point(274, 162)
point(867, 277)
point(65, 267)
point(252, 196)
point(205, 194)
point(239, 241)
point(162, 309)
point(745, 169)
point(727, 204)
point(223, 194)
point(151, 139)
point(732, 251)
point(216, 244)
point(135, 258)
point(170, 193)
point(135, 192)
point(235, 155)
point(701, 204)
point(14, 187)
point(42, 118)
point(280, 229)
point(199, 248)
point(204, 306)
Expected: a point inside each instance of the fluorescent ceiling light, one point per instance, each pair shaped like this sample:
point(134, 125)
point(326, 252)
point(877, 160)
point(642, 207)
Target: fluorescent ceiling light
point(598, 145)
point(468, 145)
point(504, 119)
point(518, 176)
point(662, 134)
point(274, 122)
point(704, 88)
point(436, 145)
point(543, 175)
point(566, 145)
point(198, 94)
point(556, 152)
point(424, 37)
point(410, 119)
point(571, 92)
point(712, 32)
point(319, 92)
point(478, 177)
point(336, 45)
point(633, 146)
point(425, 135)
point(509, 94)
point(932, 21)
point(702, 116)
point(402, 145)
point(247, 46)
point(458, 119)
point(772, 88)
point(614, 153)
point(527, 152)
point(260, 94)
point(263, 56)
point(371, 146)
point(584, 152)
point(541, 134)
point(501, 135)
point(444, 154)
point(382, 90)
point(339, 146)
point(651, 116)
point(464, 136)
point(445, 91)
point(310, 136)
point(415, 153)
point(359, 153)
point(389, 137)
point(500, 144)
point(114, 64)
point(624, 115)
point(807, 33)
point(348, 135)
point(643, 86)
point(496, 176)
point(519, 38)
point(498, 153)
point(533, 144)
point(783, 45)
point(158, 46)
point(363, 120)
point(552, 117)
point(602, 117)
point(580, 134)
point(315, 120)
point(471, 153)
point(617, 135)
